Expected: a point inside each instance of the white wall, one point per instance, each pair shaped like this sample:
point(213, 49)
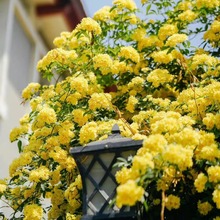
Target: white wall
point(20, 49)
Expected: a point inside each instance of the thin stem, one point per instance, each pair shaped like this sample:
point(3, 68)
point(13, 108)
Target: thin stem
point(162, 205)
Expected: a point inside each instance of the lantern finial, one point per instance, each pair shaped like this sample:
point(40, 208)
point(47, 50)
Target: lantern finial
point(115, 129)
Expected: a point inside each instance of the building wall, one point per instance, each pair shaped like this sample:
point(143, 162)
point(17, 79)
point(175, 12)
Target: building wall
point(20, 49)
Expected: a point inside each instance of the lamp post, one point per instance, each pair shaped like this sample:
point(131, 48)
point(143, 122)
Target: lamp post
point(96, 166)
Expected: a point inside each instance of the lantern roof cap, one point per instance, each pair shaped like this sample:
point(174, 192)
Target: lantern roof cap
point(114, 140)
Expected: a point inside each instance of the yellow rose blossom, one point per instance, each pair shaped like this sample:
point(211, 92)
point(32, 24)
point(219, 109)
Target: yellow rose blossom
point(200, 182)
point(17, 132)
point(88, 24)
point(129, 53)
point(204, 207)
point(136, 82)
point(24, 159)
point(187, 137)
point(46, 116)
point(129, 4)
point(72, 217)
point(80, 84)
point(184, 5)
point(167, 30)
point(57, 196)
point(203, 59)
point(175, 39)
point(214, 174)
point(30, 90)
point(149, 41)
point(99, 101)
point(103, 62)
point(178, 155)
point(209, 152)
point(123, 175)
point(33, 211)
point(187, 16)
point(102, 14)
point(208, 4)
point(172, 202)
point(209, 121)
point(58, 155)
point(141, 163)
point(132, 101)
point(88, 132)
point(139, 34)
point(159, 76)
point(216, 197)
point(3, 186)
point(37, 175)
point(129, 193)
point(80, 117)
point(154, 143)
point(162, 56)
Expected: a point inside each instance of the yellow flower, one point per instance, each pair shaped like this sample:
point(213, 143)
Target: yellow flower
point(183, 6)
point(172, 202)
point(18, 132)
point(129, 4)
point(88, 132)
point(154, 143)
point(216, 197)
point(30, 90)
point(123, 175)
point(40, 174)
point(79, 84)
point(80, 117)
point(159, 76)
point(33, 211)
point(99, 101)
point(200, 182)
point(132, 101)
point(209, 121)
point(209, 152)
point(187, 15)
point(141, 163)
point(88, 24)
point(46, 116)
point(103, 62)
point(149, 42)
point(57, 196)
point(162, 56)
point(203, 59)
point(139, 34)
point(204, 207)
point(214, 174)
point(175, 39)
point(102, 14)
point(129, 193)
point(208, 4)
point(129, 53)
point(73, 216)
point(72, 194)
point(3, 186)
point(167, 30)
point(178, 155)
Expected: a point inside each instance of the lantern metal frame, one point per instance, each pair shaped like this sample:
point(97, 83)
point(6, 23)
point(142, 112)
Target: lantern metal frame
point(99, 191)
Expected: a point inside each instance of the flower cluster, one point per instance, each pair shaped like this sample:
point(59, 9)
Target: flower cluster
point(143, 74)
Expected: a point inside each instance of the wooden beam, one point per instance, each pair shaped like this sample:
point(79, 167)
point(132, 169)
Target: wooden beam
point(72, 10)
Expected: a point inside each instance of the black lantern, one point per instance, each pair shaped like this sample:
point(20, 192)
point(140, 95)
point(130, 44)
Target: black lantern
point(96, 166)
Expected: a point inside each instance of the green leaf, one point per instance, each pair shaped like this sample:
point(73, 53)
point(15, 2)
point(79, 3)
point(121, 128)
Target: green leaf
point(148, 8)
point(19, 144)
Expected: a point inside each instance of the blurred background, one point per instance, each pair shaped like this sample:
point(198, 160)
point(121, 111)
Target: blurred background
point(28, 28)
